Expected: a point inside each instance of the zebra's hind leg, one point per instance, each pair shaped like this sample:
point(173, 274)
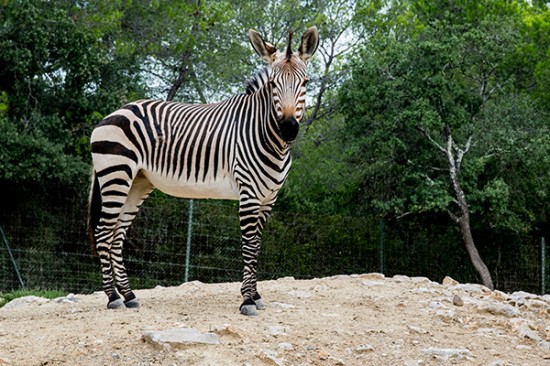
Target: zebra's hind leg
point(140, 190)
point(106, 199)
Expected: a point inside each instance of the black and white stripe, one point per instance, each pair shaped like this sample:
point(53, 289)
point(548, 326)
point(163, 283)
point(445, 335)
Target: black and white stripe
point(237, 149)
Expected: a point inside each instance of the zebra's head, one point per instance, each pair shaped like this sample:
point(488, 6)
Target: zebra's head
point(288, 78)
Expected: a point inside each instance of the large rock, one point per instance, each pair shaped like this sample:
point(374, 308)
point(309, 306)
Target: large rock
point(499, 309)
point(179, 338)
point(24, 301)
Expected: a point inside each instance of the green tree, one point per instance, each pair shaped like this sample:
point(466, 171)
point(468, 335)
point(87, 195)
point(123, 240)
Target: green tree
point(57, 79)
point(418, 107)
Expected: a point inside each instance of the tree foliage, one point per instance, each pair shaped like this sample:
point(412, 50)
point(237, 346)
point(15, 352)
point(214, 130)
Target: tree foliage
point(393, 85)
point(426, 116)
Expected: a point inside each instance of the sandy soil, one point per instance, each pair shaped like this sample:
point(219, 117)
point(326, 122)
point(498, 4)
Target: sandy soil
point(342, 320)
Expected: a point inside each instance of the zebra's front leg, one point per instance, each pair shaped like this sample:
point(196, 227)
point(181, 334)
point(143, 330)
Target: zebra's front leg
point(252, 222)
point(250, 250)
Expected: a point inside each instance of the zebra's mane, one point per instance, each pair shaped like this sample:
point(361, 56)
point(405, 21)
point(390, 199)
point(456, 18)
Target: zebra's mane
point(257, 81)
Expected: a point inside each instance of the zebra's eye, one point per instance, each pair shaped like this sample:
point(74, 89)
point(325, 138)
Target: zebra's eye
point(306, 80)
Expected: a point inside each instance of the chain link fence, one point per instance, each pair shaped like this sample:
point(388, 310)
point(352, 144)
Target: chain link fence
point(49, 249)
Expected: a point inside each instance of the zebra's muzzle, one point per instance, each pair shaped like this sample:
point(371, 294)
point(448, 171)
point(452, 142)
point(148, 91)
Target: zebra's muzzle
point(289, 128)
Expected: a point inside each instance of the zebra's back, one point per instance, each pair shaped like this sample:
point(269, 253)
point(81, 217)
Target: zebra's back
point(184, 150)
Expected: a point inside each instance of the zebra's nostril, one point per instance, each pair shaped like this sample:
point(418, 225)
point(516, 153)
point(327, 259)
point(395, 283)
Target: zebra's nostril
point(289, 128)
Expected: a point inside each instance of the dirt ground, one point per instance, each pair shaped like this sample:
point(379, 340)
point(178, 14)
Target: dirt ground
point(342, 320)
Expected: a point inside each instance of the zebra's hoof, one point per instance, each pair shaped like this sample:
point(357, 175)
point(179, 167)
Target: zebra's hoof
point(260, 304)
point(133, 304)
point(116, 304)
point(248, 310)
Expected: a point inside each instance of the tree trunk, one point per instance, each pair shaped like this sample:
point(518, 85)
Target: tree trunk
point(454, 156)
point(479, 265)
point(463, 220)
point(181, 78)
point(184, 68)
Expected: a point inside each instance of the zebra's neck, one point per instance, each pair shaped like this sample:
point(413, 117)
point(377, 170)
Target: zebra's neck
point(271, 126)
point(258, 81)
point(260, 89)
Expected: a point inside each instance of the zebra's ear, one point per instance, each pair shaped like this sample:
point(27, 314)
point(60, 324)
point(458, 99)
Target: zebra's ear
point(308, 46)
point(264, 49)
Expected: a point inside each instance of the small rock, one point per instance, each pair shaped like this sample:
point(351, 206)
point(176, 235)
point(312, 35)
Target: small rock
point(457, 301)
point(436, 305)
point(336, 361)
point(490, 332)
point(448, 281)
point(523, 328)
point(228, 330)
point(448, 354)
point(471, 288)
point(416, 329)
point(340, 277)
point(372, 276)
point(323, 355)
point(5, 361)
point(364, 348)
point(192, 283)
point(424, 290)
point(289, 278)
point(475, 301)
point(280, 305)
point(411, 363)
point(420, 280)
point(285, 346)
point(69, 299)
point(523, 295)
point(536, 304)
point(499, 295)
point(371, 283)
point(192, 287)
point(179, 337)
point(269, 357)
point(545, 345)
point(276, 330)
point(401, 278)
point(447, 316)
point(299, 294)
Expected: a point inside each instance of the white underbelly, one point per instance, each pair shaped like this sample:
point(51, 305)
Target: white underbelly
point(222, 188)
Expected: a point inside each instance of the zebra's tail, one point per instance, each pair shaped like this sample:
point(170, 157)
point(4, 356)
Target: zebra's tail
point(94, 210)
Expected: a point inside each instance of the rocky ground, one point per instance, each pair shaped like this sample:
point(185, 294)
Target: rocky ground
point(342, 320)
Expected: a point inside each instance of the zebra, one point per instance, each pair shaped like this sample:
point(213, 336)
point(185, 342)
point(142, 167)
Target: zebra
point(236, 149)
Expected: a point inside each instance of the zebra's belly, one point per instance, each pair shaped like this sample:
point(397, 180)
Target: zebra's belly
point(223, 188)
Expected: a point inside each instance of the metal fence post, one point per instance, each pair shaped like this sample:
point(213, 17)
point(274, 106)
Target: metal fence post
point(15, 267)
point(543, 265)
point(189, 236)
point(382, 246)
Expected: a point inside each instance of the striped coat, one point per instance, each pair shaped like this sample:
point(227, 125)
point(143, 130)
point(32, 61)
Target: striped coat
point(237, 149)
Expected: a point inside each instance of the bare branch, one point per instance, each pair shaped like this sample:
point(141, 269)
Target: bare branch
point(461, 152)
point(429, 137)
point(403, 215)
point(454, 217)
